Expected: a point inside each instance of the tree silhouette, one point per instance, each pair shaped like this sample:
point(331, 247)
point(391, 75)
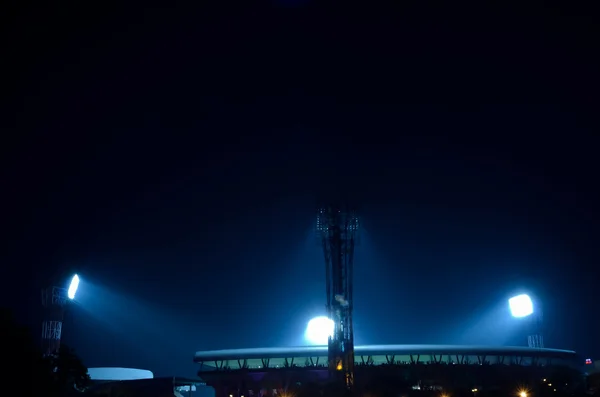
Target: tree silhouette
point(593, 383)
point(55, 375)
point(64, 372)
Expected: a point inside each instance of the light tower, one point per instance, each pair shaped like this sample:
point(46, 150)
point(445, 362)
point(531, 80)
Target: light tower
point(54, 301)
point(521, 306)
point(535, 337)
point(338, 232)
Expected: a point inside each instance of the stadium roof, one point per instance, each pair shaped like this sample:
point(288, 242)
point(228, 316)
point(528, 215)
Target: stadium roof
point(373, 350)
point(117, 373)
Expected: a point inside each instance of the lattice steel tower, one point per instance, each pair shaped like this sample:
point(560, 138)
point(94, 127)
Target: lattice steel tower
point(338, 233)
point(54, 300)
point(535, 338)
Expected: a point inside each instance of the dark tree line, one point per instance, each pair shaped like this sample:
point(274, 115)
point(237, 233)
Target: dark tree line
point(27, 369)
point(594, 383)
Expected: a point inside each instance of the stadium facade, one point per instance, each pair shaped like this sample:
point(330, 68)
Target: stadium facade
point(273, 371)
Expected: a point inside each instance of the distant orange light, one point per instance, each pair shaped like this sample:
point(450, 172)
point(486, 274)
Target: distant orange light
point(339, 367)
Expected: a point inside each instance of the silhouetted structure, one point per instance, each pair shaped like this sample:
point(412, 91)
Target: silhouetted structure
point(535, 338)
point(54, 300)
point(155, 387)
point(337, 230)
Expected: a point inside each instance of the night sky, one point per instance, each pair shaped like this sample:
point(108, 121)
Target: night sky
point(175, 158)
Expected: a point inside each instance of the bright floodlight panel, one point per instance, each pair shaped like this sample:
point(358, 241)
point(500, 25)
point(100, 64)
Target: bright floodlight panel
point(73, 287)
point(318, 330)
point(520, 305)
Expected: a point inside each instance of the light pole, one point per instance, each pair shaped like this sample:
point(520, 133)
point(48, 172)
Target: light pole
point(521, 306)
point(54, 301)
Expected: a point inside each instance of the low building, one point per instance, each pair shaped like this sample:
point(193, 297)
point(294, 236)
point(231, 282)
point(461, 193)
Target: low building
point(131, 382)
point(155, 387)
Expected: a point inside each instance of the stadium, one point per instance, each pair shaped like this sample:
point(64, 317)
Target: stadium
point(276, 371)
point(386, 370)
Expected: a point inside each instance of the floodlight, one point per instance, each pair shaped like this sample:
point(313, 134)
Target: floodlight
point(73, 287)
point(318, 330)
point(520, 305)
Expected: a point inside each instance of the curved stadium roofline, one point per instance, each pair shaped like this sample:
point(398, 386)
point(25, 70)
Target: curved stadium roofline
point(368, 350)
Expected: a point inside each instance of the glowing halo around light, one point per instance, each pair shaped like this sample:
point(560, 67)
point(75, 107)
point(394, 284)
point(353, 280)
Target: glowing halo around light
point(318, 330)
point(522, 392)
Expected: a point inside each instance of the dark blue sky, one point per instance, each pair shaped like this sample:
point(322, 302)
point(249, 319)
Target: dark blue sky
point(175, 159)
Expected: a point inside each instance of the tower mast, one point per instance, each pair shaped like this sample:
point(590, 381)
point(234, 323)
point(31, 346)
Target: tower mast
point(535, 338)
point(54, 300)
point(338, 232)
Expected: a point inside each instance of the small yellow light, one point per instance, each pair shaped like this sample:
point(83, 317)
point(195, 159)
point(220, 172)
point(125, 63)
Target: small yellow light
point(522, 392)
point(549, 384)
